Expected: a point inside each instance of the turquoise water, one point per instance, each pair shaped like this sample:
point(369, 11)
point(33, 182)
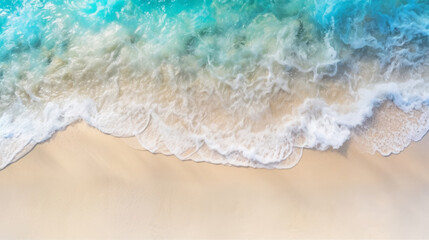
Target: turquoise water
point(246, 83)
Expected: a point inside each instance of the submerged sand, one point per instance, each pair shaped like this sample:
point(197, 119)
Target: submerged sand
point(83, 184)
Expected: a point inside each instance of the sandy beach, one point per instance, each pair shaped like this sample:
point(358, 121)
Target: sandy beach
point(246, 84)
point(83, 184)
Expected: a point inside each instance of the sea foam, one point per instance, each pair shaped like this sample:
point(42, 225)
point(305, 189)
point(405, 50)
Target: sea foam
point(243, 83)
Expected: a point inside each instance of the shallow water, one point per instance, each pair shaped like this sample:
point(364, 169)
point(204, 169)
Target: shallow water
point(245, 83)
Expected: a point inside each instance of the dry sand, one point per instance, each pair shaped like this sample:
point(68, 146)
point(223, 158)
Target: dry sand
point(83, 184)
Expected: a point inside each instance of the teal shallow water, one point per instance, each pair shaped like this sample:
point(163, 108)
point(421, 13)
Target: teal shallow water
point(247, 83)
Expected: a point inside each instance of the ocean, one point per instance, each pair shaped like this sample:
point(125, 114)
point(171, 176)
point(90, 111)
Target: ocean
point(240, 82)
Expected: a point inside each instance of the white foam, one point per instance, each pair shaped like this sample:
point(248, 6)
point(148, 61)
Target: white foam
point(260, 111)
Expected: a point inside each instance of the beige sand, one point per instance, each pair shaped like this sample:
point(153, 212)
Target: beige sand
point(84, 184)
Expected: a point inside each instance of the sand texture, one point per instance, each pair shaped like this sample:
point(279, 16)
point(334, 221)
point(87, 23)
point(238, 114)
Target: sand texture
point(83, 184)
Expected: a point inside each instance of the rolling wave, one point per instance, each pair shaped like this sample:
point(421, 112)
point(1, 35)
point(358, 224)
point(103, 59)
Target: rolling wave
point(238, 82)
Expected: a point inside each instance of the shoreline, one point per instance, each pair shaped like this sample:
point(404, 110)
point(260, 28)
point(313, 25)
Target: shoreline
point(86, 184)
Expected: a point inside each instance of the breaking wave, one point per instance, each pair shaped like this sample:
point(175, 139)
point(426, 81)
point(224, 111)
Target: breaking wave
point(238, 82)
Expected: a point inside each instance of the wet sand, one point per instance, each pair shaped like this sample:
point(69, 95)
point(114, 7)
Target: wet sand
point(83, 184)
